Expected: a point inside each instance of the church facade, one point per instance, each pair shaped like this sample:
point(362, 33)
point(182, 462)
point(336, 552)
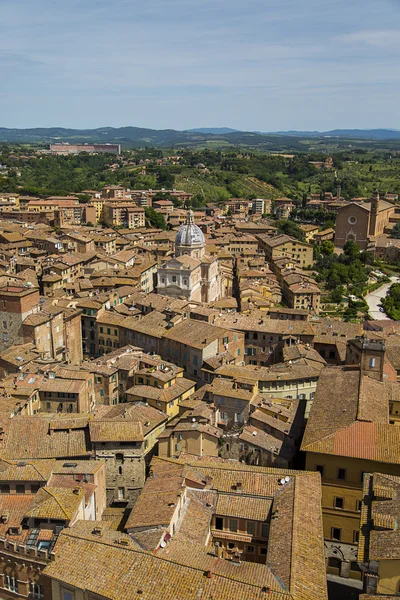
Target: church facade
point(361, 222)
point(191, 273)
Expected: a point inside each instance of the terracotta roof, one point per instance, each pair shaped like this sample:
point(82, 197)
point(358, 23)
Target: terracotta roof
point(164, 395)
point(39, 470)
point(197, 334)
point(31, 438)
point(116, 431)
point(243, 507)
point(154, 577)
point(55, 503)
point(357, 422)
point(379, 535)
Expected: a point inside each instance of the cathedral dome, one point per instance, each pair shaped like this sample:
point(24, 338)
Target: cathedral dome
point(190, 234)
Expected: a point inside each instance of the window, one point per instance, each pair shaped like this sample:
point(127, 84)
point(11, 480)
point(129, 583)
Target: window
point(119, 458)
point(11, 583)
point(264, 530)
point(250, 549)
point(35, 487)
point(219, 523)
point(108, 330)
point(356, 536)
point(320, 469)
point(20, 488)
point(67, 595)
point(338, 503)
point(263, 551)
point(231, 545)
point(341, 474)
point(121, 493)
point(250, 528)
point(336, 533)
point(225, 340)
point(37, 591)
point(233, 525)
point(372, 362)
point(4, 488)
point(173, 279)
point(101, 330)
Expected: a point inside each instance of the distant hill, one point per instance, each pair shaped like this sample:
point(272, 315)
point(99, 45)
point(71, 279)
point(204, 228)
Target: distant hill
point(222, 137)
point(364, 134)
point(214, 130)
point(135, 137)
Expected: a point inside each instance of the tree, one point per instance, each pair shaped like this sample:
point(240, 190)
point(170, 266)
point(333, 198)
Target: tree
point(396, 231)
point(351, 249)
point(337, 294)
point(290, 228)
point(165, 178)
point(154, 219)
point(327, 247)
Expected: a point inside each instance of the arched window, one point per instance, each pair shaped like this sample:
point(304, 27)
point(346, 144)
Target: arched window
point(120, 470)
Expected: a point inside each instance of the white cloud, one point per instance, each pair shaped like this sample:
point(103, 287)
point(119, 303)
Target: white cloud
point(384, 38)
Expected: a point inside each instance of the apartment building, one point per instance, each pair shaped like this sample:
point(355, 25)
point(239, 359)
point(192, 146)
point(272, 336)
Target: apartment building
point(285, 246)
point(349, 434)
point(123, 214)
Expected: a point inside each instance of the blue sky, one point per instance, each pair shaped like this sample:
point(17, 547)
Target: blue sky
point(264, 65)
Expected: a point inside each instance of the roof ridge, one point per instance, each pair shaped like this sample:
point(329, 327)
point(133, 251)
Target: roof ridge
point(270, 470)
point(47, 489)
point(325, 437)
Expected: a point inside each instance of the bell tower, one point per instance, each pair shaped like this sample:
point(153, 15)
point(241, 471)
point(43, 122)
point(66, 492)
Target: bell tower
point(374, 213)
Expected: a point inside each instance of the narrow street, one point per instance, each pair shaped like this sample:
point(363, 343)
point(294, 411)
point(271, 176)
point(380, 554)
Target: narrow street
point(374, 300)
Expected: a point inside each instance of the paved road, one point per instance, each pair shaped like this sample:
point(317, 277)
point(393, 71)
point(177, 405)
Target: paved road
point(374, 299)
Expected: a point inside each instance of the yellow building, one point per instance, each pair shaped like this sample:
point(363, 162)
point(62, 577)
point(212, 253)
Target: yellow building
point(309, 231)
point(162, 386)
point(98, 204)
point(191, 437)
point(379, 545)
point(108, 326)
point(349, 434)
point(284, 245)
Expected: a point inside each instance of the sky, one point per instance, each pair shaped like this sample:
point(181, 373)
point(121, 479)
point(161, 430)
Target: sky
point(255, 65)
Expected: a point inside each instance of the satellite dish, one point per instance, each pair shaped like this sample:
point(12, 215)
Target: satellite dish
point(163, 544)
point(282, 481)
point(287, 478)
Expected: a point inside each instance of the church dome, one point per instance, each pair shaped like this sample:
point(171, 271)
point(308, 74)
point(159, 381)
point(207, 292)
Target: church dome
point(189, 234)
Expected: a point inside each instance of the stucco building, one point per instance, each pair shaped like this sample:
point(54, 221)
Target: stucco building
point(191, 274)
